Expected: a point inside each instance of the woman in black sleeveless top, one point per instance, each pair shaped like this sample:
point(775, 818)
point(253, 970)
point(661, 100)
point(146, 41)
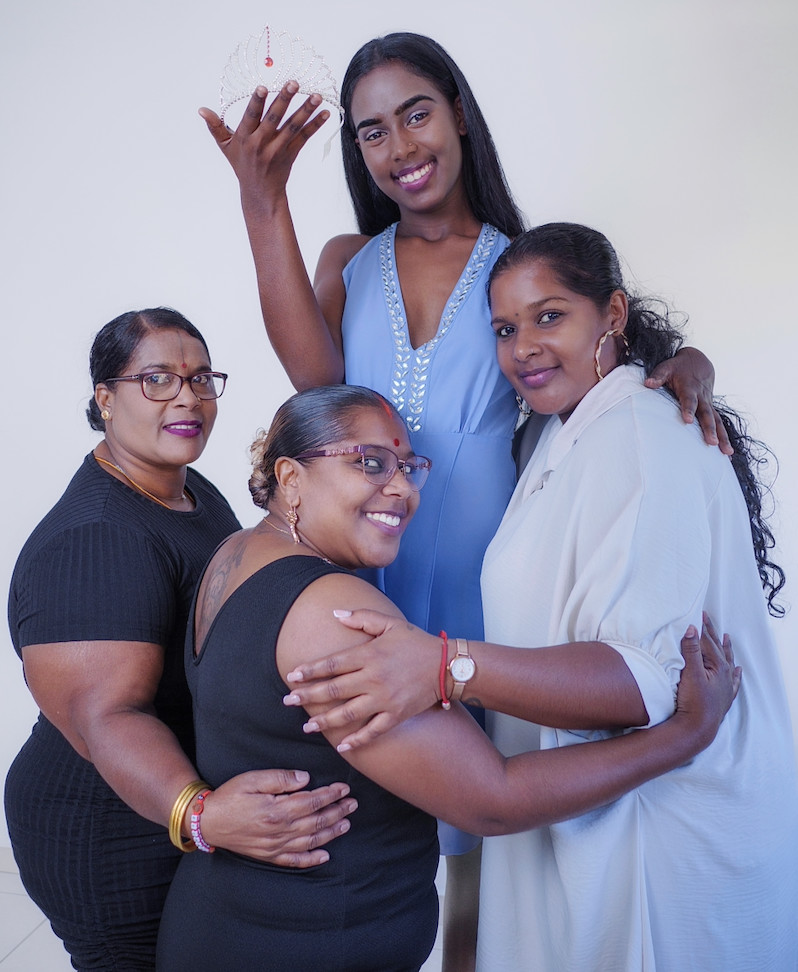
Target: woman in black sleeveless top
point(338, 480)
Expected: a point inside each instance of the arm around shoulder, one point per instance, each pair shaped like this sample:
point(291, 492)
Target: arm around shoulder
point(443, 763)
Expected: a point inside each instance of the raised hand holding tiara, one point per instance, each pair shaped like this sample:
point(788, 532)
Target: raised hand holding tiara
point(259, 150)
point(262, 150)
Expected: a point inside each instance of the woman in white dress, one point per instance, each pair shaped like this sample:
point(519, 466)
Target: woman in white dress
point(622, 528)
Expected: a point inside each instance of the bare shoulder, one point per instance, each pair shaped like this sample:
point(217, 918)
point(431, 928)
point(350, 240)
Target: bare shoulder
point(311, 631)
point(338, 251)
point(221, 577)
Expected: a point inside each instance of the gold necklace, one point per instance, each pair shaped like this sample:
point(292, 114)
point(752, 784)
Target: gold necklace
point(141, 489)
point(267, 522)
point(305, 543)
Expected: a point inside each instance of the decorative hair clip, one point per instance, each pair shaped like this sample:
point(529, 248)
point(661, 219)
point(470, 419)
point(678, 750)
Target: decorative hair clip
point(272, 58)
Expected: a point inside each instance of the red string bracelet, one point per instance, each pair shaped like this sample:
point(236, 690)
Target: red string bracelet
point(445, 703)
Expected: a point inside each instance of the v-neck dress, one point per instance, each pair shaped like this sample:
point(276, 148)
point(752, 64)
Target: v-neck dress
point(460, 411)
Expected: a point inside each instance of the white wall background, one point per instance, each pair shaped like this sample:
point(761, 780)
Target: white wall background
point(668, 124)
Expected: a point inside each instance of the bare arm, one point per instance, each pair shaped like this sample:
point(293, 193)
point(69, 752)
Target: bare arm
point(573, 686)
point(304, 331)
point(443, 763)
point(100, 696)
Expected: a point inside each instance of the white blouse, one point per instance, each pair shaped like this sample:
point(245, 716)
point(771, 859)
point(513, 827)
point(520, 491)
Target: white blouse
point(623, 527)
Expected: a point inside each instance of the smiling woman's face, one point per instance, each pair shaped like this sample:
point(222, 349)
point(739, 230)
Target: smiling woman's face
point(159, 434)
point(547, 336)
point(347, 518)
point(409, 135)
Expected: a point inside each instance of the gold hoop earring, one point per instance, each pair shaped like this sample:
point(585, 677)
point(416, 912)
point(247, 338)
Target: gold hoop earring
point(293, 518)
point(601, 345)
point(105, 415)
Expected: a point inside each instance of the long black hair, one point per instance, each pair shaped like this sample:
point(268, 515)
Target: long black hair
point(483, 177)
point(116, 343)
point(586, 263)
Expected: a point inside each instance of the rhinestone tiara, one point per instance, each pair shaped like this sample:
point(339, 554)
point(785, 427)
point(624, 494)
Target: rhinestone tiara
point(272, 58)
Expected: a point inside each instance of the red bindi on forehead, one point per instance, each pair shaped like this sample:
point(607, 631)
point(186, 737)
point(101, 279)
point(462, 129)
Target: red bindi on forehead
point(184, 365)
point(396, 442)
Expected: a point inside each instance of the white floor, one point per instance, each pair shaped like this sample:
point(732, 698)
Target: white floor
point(27, 943)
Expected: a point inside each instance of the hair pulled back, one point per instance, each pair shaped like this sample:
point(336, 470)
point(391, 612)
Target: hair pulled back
point(483, 177)
point(116, 343)
point(586, 263)
point(307, 422)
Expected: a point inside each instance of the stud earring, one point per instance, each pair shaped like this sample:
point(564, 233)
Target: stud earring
point(105, 415)
point(293, 518)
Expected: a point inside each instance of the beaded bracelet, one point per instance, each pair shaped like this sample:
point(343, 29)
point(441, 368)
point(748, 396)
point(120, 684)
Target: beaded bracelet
point(179, 808)
point(196, 832)
point(445, 703)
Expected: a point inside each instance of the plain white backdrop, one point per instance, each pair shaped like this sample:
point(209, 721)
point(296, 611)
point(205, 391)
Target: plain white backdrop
point(668, 124)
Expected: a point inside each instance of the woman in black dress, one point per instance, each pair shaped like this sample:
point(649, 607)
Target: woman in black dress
point(339, 481)
point(97, 610)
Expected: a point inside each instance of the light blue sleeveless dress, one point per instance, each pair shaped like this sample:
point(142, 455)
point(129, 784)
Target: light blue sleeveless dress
point(460, 411)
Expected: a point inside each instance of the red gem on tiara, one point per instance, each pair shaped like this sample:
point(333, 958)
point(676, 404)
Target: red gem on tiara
point(252, 63)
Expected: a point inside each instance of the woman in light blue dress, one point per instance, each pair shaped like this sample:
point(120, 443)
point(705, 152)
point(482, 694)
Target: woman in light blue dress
point(401, 307)
point(458, 408)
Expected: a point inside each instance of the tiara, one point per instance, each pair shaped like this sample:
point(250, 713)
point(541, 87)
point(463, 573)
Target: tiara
point(271, 58)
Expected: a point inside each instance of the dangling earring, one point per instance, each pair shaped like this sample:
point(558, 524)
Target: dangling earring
point(523, 407)
point(105, 415)
point(293, 518)
point(601, 344)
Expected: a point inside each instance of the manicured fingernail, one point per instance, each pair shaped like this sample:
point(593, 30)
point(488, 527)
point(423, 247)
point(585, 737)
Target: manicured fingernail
point(343, 748)
point(292, 87)
point(310, 727)
point(691, 632)
point(291, 700)
point(337, 613)
point(294, 677)
point(261, 91)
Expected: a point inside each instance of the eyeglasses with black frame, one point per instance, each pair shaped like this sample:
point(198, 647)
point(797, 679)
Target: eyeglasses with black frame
point(163, 386)
point(379, 464)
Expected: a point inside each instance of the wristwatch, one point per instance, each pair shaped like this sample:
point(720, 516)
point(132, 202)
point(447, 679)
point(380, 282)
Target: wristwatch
point(462, 668)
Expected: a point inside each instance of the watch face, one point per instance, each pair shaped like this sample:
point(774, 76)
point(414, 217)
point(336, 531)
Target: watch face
point(462, 669)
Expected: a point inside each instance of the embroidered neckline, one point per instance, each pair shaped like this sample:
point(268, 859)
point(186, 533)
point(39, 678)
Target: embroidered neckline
point(408, 385)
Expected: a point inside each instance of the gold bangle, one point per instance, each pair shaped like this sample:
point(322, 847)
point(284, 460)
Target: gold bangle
point(179, 808)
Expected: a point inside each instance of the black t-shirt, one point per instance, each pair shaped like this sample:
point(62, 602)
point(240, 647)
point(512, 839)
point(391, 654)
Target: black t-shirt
point(108, 564)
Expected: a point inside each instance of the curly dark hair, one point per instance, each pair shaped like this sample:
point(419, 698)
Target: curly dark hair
point(483, 177)
point(586, 263)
